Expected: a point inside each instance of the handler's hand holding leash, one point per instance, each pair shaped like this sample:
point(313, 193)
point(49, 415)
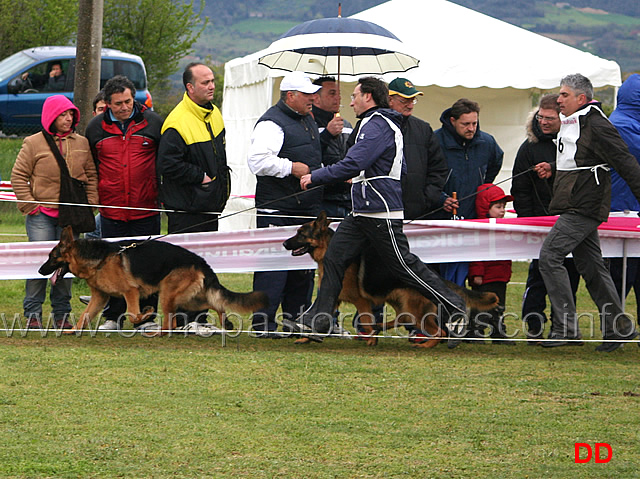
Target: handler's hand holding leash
point(305, 181)
point(543, 170)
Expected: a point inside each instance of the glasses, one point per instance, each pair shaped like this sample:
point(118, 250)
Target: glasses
point(546, 118)
point(405, 101)
point(353, 96)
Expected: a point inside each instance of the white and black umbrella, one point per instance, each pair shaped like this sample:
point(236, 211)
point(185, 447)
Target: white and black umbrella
point(335, 46)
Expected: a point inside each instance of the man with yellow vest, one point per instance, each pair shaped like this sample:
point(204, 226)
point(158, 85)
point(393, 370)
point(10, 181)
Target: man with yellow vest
point(193, 175)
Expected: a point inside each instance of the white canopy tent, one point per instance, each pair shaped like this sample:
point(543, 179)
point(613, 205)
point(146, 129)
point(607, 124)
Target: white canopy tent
point(462, 53)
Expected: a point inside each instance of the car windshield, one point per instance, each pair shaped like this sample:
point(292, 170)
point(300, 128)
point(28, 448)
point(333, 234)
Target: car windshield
point(13, 64)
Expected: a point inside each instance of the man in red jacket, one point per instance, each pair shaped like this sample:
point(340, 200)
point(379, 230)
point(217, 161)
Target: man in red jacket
point(124, 141)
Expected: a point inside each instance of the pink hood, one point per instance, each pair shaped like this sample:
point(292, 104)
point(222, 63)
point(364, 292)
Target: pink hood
point(54, 106)
point(487, 194)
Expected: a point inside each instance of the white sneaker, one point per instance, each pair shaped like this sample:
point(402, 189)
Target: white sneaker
point(204, 330)
point(108, 325)
point(340, 331)
point(84, 299)
point(148, 326)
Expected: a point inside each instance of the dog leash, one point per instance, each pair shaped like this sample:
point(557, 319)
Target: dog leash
point(528, 170)
point(293, 195)
point(221, 217)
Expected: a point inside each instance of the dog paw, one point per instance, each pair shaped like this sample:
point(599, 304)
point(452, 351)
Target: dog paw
point(372, 342)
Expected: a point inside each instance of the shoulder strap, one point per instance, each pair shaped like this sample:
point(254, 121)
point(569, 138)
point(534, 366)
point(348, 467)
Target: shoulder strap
point(56, 152)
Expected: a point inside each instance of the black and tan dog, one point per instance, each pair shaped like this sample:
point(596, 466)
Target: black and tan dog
point(366, 282)
point(134, 270)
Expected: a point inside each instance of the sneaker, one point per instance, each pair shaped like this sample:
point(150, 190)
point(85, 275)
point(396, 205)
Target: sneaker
point(84, 299)
point(109, 325)
point(268, 334)
point(558, 341)
point(204, 330)
point(338, 330)
point(318, 324)
point(611, 344)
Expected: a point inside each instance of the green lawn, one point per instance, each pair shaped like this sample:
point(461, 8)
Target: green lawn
point(100, 406)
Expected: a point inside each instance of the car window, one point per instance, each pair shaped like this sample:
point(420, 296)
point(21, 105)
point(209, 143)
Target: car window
point(13, 64)
point(50, 76)
point(131, 70)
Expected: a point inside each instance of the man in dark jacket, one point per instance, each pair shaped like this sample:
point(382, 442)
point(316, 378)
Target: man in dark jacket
point(192, 167)
point(427, 168)
point(192, 160)
point(474, 158)
point(334, 133)
point(531, 197)
point(587, 144)
point(285, 144)
point(375, 162)
point(124, 141)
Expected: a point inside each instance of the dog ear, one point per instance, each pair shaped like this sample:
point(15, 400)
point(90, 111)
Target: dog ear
point(322, 220)
point(67, 235)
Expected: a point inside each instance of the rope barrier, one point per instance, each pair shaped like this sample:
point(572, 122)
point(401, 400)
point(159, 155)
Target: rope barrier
point(232, 334)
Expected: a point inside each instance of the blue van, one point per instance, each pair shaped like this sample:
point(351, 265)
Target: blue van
point(26, 80)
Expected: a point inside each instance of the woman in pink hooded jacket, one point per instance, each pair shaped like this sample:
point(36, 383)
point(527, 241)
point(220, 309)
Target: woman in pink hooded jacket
point(35, 179)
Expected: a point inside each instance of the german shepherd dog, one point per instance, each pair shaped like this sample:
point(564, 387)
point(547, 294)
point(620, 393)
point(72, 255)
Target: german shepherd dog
point(365, 284)
point(133, 270)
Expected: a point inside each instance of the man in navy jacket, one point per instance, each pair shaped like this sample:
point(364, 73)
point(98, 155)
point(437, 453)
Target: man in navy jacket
point(375, 164)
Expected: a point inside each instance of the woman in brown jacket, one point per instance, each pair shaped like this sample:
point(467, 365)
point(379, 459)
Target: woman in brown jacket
point(36, 178)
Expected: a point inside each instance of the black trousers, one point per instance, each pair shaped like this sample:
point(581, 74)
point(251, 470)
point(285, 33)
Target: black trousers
point(389, 240)
point(534, 301)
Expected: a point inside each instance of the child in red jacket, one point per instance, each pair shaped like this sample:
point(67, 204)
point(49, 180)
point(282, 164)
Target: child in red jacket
point(491, 276)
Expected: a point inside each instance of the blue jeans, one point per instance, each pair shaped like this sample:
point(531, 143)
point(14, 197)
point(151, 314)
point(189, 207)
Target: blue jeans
point(41, 227)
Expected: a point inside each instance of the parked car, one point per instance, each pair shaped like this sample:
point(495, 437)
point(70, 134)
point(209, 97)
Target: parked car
point(26, 80)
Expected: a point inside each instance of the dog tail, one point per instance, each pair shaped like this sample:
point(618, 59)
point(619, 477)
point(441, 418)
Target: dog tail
point(239, 302)
point(476, 300)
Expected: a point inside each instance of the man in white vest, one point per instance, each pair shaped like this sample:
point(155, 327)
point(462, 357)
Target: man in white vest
point(587, 145)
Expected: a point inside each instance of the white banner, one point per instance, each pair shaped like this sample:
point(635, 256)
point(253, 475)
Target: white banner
point(433, 241)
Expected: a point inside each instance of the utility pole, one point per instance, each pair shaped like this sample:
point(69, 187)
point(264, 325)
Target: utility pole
point(87, 74)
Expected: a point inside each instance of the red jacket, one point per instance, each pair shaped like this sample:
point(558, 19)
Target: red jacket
point(126, 163)
point(490, 271)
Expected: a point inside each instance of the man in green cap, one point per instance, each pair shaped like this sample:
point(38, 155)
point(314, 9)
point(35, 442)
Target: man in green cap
point(426, 164)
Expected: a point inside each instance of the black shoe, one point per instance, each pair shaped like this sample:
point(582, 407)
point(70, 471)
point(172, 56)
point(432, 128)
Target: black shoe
point(615, 342)
point(534, 339)
point(557, 342)
point(267, 335)
point(317, 324)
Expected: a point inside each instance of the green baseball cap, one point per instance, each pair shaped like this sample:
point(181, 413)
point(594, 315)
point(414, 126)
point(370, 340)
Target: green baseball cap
point(404, 88)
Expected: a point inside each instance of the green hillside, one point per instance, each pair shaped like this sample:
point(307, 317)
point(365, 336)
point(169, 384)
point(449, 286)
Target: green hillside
point(608, 29)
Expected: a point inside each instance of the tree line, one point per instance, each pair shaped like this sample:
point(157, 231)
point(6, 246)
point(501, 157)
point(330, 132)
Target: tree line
point(161, 32)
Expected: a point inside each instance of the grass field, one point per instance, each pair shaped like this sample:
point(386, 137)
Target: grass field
point(184, 407)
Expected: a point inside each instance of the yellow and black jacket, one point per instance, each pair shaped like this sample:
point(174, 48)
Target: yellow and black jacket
point(192, 144)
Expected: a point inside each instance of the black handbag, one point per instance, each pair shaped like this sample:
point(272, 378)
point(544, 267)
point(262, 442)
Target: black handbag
point(72, 193)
